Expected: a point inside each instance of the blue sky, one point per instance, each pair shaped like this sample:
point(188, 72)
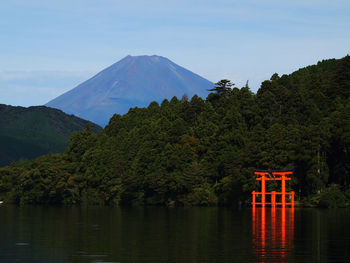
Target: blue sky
point(48, 47)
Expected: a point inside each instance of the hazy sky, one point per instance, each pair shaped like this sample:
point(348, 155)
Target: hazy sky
point(48, 47)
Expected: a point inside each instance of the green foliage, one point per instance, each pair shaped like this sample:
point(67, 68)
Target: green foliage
point(223, 87)
point(333, 197)
point(203, 152)
point(34, 131)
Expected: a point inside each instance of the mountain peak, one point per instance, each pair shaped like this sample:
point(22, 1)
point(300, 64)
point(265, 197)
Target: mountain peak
point(144, 56)
point(132, 81)
point(154, 58)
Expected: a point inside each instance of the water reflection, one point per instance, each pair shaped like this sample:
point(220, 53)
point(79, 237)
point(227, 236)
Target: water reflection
point(39, 234)
point(272, 233)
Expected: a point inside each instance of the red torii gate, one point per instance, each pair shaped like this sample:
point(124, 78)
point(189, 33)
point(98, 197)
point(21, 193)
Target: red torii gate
point(272, 176)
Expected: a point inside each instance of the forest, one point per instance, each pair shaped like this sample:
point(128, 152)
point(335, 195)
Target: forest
point(35, 131)
point(203, 152)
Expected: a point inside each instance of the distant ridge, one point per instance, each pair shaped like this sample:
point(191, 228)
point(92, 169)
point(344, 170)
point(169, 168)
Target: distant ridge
point(134, 81)
point(30, 132)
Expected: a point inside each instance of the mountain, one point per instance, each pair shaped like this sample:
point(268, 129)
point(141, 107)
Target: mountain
point(134, 81)
point(30, 132)
point(204, 152)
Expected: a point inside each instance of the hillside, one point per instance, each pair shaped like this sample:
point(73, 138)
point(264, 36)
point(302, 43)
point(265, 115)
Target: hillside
point(134, 81)
point(34, 131)
point(204, 152)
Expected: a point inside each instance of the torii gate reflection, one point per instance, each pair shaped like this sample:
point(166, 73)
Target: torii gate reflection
point(272, 227)
point(272, 233)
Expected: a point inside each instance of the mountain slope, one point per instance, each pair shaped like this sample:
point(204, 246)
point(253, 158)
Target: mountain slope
point(204, 152)
point(134, 81)
point(30, 132)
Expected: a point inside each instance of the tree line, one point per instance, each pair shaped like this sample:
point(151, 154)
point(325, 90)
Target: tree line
point(204, 151)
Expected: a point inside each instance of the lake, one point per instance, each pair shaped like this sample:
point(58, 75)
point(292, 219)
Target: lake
point(153, 234)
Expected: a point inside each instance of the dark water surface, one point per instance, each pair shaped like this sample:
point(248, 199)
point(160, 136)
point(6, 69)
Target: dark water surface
point(102, 234)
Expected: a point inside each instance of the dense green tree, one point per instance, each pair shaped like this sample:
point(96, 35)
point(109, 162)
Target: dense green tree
point(203, 152)
point(223, 87)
